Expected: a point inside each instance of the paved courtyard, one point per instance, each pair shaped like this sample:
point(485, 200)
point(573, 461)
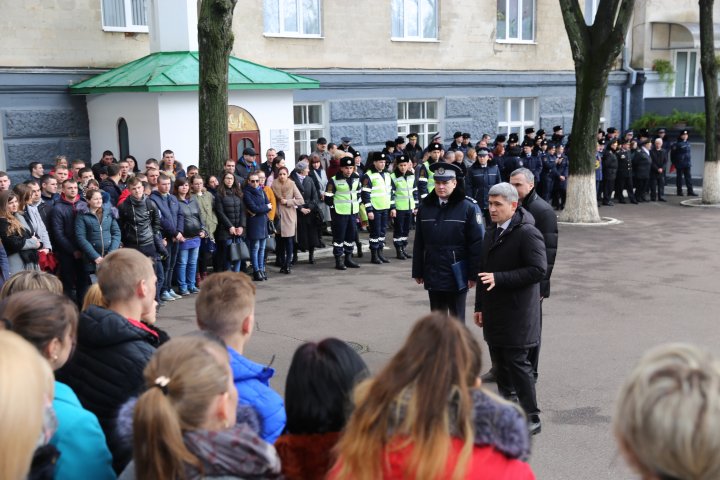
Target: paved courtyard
point(616, 291)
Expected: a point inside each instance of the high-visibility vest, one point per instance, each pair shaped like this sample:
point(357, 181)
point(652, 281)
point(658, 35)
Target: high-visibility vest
point(430, 177)
point(380, 193)
point(404, 188)
point(345, 198)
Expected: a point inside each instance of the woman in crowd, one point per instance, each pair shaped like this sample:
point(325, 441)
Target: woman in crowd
point(185, 423)
point(49, 322)
point(230, 211)
point(193, 231)
point(289, 198)
point(31, 212)
point(667, 420)
point(212, 184)
point(424, 415)
point(209, 219)
point(31, 280)
point(132, 163)
point(320, 179)
point(18, 238)
point(96, 229)
point(307, 223)
point(26, 386)
point(318, 401)
point(277, 164)
point(258, 206)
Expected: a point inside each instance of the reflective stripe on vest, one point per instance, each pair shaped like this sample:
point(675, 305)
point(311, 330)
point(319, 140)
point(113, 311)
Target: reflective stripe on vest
point(404, 187)
point(430, 178)
point(380, 194)
point(346, 200)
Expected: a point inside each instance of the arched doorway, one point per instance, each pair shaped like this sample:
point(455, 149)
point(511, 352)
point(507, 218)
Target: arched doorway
point(243, 131)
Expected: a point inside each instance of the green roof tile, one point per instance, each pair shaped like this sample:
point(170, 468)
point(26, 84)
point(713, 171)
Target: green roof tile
point(179, 71)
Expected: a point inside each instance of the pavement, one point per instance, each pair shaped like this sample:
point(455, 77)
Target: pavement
point(617, 290)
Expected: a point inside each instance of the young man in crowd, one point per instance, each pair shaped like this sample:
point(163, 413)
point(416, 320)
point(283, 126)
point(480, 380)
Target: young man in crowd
point(75, 167)
point(4, 181)
point(111, 184)
point(171, 222)
point(107, 159)
point(226, 307)
point(36, 170)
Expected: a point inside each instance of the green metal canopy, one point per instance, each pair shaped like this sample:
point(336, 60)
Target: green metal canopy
point(180, 71)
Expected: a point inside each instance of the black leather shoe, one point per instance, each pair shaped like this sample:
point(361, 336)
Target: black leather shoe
point(489, 377)
point(692, 194)
point(661, 200)
point(534, 425)
point(257, 276)
point(264, 275)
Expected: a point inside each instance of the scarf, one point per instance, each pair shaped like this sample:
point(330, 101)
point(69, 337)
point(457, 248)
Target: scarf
point(237, 452)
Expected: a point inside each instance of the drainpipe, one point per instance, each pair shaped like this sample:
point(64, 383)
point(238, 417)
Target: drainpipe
point(632, 79)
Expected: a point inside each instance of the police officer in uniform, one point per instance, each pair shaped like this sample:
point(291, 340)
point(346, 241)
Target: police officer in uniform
point(481, 177)
point(413, 150)
point(405, 197)
point(343, 197)
point(448, 241)
point(623, 181)
point(426, 181)
point(680, 157)
point(376, 195)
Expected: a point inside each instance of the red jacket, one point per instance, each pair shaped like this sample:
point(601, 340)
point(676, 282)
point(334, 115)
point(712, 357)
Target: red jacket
point(485, 463)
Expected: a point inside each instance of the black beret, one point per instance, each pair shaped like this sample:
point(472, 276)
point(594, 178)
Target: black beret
point(457, 134)
point(500, 138)
point(529, 130)
point(466, 135)
point(401, 159)
point(389, 144)
point(540, 132)
point(557, 128)
point(379, 157)
point(434, 146)
point(347, 162)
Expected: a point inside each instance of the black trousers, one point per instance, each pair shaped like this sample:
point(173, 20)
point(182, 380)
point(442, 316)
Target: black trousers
point(74, 277)
point(378, 227)
point(624, 183)
point(449, 303)
point(641, 187)
point(534, 352)
point(344, 230)
point(684, 172)
point(608, 188)
point(514, 370)
point(401, 230)
point(657, 186)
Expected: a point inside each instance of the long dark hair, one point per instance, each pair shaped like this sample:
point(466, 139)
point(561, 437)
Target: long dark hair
point(223, 191)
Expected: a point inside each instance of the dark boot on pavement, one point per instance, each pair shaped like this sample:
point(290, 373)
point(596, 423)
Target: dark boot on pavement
point(311, 256)
point(374, 257)
point(359, 250)
point(405, 254)
point(398, 250)
point(381, 256)
point(534, 425)
point(339, 265)
point(349, 262)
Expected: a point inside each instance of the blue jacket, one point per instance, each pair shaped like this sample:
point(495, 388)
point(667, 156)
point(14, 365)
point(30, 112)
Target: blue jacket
point(80, 440)
point(170, 215)
point(256, 203)
point(479, 180)
point(62, 226)
point(680, 154)
point(535, 165)
point(252, 383)
point(97, 239)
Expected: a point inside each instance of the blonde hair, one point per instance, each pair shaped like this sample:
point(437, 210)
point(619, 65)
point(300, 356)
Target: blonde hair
point(120, 272)
point(26, 386)
point(31, 280)
point(437, 366)
point(667, 418)
point(225, 300)
point(94, 296)
point(183, 377)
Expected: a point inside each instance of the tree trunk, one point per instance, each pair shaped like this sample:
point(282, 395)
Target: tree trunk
point(215, 39)
point(711, 173)
point(594, 49)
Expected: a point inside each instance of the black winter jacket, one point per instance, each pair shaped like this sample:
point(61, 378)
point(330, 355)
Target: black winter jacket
point(62, 226)
point(659, 161)
point(511, 310)
point(230, 210)
point(139, 222)
point(112, 189)
point(446, 235)
point(641, 165)
point(609, 164)
point(107, 369)
point(546, 222)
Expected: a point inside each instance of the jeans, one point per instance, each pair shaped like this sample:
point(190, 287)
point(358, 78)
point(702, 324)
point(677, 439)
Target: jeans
point(169, 265)
point(257, 254)
point(186, 268)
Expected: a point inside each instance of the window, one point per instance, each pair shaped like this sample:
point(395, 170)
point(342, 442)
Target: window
point(418, 116)
point(124, 15)
point(308, 127)
point(414, 20)
point(123, 138)
point(688, 78)
point(296, 18)
point(591, 7)
point(605, 114)
point(515, 20)
point(516, 114)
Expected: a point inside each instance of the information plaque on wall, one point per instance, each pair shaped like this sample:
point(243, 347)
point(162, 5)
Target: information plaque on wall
point(280, 139)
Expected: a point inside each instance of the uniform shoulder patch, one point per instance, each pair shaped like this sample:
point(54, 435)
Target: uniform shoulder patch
point(471, 199)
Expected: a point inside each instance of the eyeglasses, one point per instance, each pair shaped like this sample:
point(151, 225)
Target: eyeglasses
point(254, 181)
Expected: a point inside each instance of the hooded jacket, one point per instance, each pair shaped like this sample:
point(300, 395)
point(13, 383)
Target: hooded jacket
point(97, 238)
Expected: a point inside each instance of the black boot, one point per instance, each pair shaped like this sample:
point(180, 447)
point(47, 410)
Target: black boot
point(311, 256)
point(264, 275)
point(359, 247)
point(407, 255)
point(294, 255)
point(257, 276)
point(398, 251)
point(374, 257)
point(339, 265)
point(381, 256)
point(349, 262)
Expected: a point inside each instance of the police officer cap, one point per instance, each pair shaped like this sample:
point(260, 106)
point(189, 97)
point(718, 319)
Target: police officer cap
point(557, 128)
point(500, 138)
point(466, 135)
point(513, 138)
point(644, 132)
point(601, 141)
point(412, 135)
point(379, 157)
point(661, 130)
point(401, 159)
point(399, 140)
point(434, 146)
point(611, 130)
point(628, 132)
point(683, 132)
point(540, 132)
point(435, 135)
point(346, 139)
point(389, 144)
point(529, 130)
point(552, 145)
point(357, 154)
point(445, 171)
point(347, 162)
point(457, 134)
point(483, 152)
point(544, 143)
point(528, 144)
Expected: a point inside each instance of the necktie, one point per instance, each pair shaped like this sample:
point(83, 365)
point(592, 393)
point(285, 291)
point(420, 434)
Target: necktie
point(498, 232)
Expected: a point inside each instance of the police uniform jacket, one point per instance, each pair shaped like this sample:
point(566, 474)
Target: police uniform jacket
point(328, 199)
point(511, 310)
point(562, 169)
point(624, 163)
point(480, 179)
point(508, 164)
point(546, 222)
point(445, 235)
point(680, 154)
point(414, 153)
point(535, 165)
point(609, 164)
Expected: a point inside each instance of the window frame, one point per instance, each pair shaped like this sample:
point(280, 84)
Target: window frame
point(509, 126)
point(129, 27)
point(309, 141)
point(697, 73)
point(404, 125)
point(282, 33)
point(514, 40)
point(407, 38)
